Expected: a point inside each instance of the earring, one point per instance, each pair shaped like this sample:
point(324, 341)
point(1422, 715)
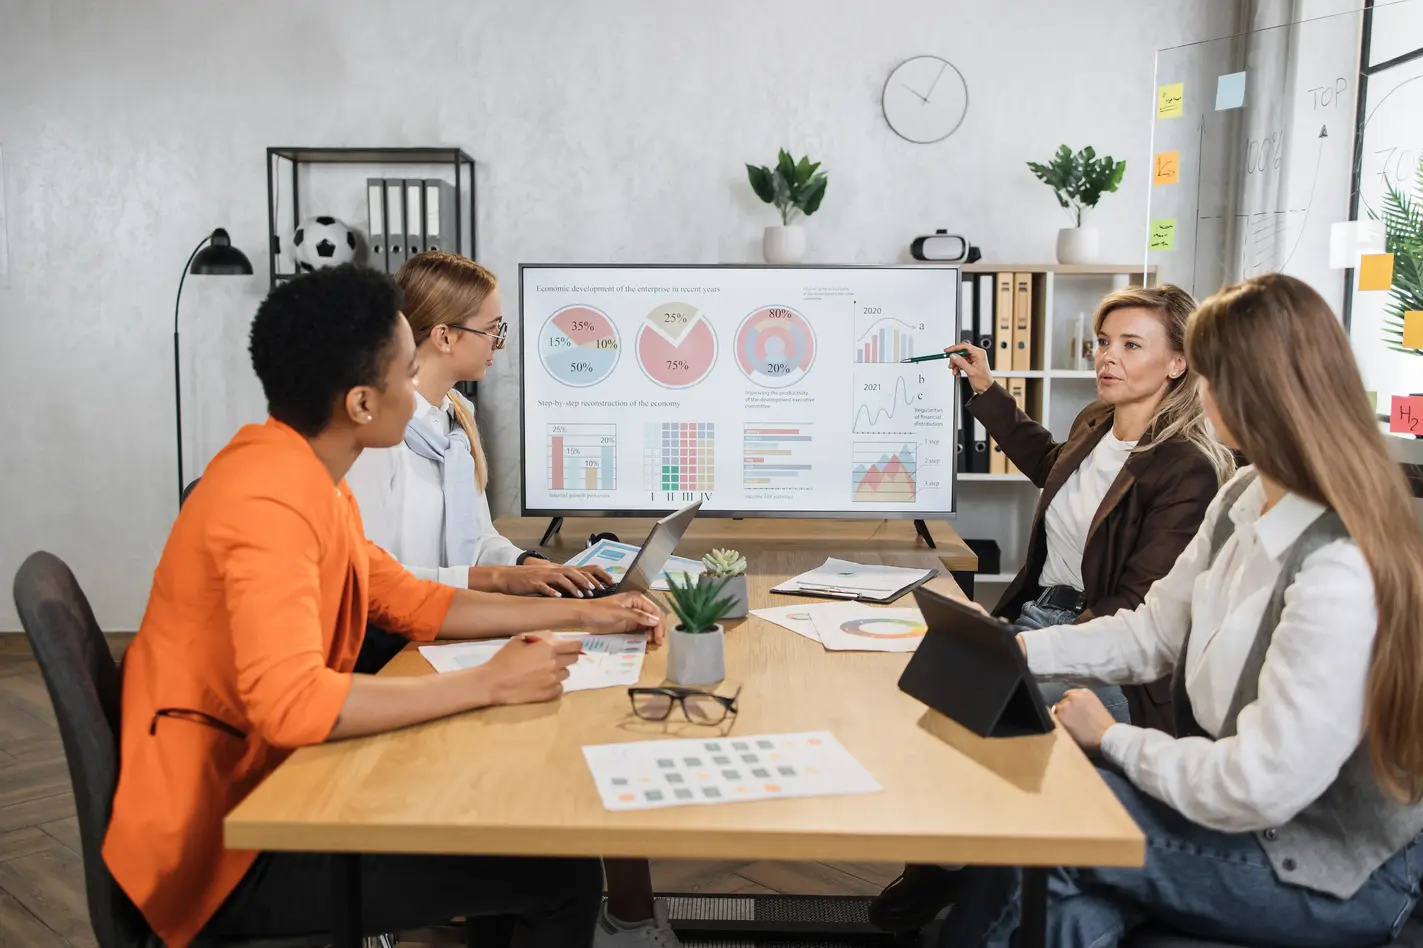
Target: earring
point(368, 418)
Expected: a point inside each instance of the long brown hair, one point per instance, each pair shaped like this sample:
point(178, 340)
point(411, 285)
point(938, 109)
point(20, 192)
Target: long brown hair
point(1283, 375)
point(443, 289)
point(1180, 414)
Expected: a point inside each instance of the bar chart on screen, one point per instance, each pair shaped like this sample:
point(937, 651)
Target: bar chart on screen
point(582, 457)
point(887, 340)
point(777, 456)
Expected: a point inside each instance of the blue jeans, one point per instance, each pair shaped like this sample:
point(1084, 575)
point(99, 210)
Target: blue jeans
point(1036, 616)
point(1196, 880)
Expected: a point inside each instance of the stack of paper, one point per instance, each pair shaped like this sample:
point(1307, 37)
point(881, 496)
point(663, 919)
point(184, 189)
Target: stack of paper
point(850, 627)
point(646, 775)
point(615, 558)
point(607, 661)
point(841, 579)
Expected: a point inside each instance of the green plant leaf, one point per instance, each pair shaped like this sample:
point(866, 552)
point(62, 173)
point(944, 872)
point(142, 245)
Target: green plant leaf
point(761, 182)
point(813, 195)
point(785, 164)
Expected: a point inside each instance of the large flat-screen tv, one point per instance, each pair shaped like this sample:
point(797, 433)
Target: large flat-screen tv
point(758, 390)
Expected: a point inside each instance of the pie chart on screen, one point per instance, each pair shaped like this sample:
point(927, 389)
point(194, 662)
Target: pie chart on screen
point(775, 346)
point(676, 346)
point(579, 346)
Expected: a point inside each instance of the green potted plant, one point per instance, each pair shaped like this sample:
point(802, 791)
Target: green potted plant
point(731, 566)
point(696, 653)
point(794, 187)
point(1078, 181)
point(1403, 237)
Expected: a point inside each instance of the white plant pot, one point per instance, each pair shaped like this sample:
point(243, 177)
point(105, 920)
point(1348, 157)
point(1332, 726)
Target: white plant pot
point(696, 658)
point(784, 244)
point(1077, 245)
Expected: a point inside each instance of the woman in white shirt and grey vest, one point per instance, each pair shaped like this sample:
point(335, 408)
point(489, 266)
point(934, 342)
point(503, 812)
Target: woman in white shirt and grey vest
point(423, 502)
point(1288, 811)
point(1122, 496)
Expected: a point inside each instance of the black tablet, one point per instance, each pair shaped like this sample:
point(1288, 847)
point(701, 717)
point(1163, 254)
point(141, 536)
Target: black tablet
point(970, 669)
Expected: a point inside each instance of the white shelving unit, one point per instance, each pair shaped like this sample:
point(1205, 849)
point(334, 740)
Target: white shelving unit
point(1000, 506)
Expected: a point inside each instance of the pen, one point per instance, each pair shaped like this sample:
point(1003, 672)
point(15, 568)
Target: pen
point(936, 356)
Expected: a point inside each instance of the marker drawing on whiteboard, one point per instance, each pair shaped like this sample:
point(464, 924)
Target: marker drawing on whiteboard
point(1323, 136)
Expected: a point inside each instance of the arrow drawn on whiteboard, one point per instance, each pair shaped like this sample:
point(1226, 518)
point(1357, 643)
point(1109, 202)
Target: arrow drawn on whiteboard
point(1323, 134)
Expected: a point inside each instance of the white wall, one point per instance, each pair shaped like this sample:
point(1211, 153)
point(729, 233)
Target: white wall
point(611, 131)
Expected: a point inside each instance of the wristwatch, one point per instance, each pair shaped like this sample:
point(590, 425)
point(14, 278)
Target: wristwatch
point(529, 555)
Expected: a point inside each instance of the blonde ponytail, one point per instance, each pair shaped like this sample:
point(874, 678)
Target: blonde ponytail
point(464, 414)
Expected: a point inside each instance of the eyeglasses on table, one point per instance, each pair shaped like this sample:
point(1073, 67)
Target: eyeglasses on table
point(699, 707)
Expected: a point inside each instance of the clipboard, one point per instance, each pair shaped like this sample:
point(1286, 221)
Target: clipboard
point(969, 668)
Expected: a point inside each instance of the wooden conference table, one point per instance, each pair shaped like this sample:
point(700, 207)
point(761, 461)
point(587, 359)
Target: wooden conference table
point(513, 781)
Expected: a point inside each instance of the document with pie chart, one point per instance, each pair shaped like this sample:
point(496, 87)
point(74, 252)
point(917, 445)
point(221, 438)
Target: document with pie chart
point(756, 390)
point(852, 627)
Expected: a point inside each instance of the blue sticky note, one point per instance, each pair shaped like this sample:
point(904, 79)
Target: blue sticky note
point(1230, 91)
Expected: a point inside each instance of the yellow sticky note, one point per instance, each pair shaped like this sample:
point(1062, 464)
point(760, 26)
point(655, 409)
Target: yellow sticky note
point(1376, 271)
point(1413, 329)
point(1170, 100)
point(1163, 234)
point(1167, 167)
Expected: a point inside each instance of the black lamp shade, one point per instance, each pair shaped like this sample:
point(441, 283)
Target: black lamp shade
point(221, 258)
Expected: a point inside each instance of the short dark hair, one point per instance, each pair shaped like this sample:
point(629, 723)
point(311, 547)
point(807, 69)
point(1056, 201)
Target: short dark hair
point(318, 336)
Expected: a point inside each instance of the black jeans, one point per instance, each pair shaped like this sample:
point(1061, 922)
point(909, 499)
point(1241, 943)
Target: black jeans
point(554, 901)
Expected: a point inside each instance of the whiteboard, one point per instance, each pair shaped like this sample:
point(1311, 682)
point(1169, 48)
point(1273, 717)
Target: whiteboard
point(1260, 178)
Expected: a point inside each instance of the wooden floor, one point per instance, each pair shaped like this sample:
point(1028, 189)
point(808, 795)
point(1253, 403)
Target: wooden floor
point(42, 877)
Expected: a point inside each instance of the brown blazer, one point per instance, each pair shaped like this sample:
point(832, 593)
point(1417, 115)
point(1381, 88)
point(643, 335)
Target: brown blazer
point(1150, 513)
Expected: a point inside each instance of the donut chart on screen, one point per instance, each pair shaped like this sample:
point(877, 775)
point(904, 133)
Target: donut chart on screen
point(676, 346)
point(775, 346)
point(579, 346)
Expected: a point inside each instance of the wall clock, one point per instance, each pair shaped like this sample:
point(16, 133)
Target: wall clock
point(925, 99)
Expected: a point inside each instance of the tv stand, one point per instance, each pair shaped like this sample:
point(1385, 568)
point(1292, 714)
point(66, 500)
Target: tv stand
point(555, 524)
point(922, 528)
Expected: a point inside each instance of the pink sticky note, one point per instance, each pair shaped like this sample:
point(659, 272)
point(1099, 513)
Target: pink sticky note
point(1406, 416)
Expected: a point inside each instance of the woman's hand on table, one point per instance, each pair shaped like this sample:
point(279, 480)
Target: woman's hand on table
point(625, 612)
point(530, 668)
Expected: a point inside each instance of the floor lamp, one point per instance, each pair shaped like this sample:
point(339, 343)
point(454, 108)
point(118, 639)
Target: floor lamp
point(214, 255)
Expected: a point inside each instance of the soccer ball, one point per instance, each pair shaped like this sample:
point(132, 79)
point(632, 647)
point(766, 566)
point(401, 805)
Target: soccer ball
point(323, 242)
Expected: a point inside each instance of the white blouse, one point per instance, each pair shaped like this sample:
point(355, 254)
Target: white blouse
point(1309, 717)
point(402, 501)
point(1069, 516)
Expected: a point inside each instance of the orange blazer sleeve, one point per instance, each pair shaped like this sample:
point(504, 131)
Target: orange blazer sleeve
point(402, 603)
point(269, 556)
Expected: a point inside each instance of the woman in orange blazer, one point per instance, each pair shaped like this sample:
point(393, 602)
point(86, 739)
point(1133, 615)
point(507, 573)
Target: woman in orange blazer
point(253, 624)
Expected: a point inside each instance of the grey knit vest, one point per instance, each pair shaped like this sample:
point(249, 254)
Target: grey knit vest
point(1335, 843)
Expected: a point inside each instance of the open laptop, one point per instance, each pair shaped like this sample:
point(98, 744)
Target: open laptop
point(970, 669)
point(659, 545)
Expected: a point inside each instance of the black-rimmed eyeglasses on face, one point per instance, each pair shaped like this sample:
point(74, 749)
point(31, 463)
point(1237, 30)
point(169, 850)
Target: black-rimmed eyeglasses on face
point(498, 335)
point(699, 707)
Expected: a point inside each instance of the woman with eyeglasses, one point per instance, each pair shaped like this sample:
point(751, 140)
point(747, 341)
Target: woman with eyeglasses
point(423, 502)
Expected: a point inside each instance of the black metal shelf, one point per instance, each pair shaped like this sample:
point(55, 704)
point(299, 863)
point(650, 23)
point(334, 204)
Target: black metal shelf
point(294, 156)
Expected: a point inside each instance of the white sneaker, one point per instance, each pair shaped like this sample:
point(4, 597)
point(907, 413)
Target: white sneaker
point(655, 932)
